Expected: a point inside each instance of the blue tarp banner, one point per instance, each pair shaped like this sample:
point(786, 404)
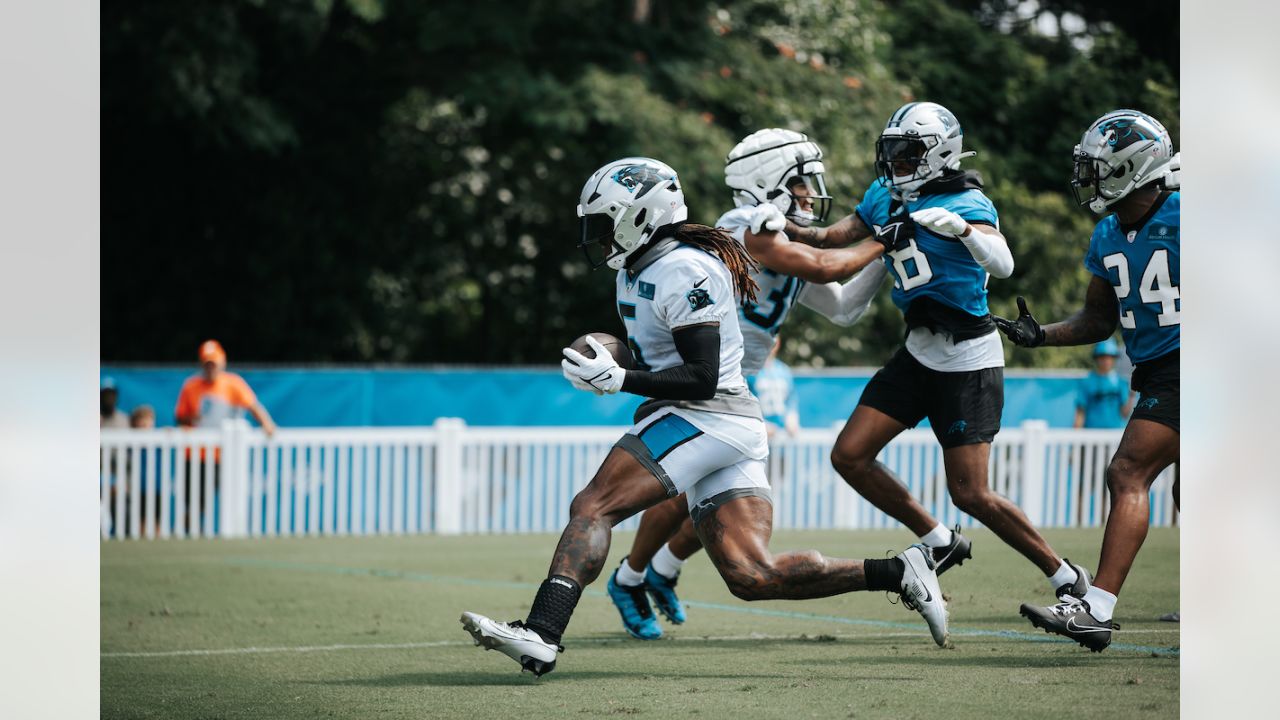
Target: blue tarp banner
point(310, 397)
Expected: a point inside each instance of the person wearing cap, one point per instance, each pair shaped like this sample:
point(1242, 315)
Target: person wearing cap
point(110, 415)
point(1103, 400)
point(216, 394)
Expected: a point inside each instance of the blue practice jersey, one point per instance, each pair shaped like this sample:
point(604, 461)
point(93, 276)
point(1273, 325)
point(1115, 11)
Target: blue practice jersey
point(932, 266)
point(776, 390)
point(1102, 397)
point(1144, 269)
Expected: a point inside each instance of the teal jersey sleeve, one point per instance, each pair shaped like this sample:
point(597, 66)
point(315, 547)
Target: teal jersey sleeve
point(874, 208)
point(975, 207)
point(1093, 257)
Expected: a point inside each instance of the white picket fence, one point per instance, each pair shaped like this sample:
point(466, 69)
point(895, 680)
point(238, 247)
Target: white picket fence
point(450, 478)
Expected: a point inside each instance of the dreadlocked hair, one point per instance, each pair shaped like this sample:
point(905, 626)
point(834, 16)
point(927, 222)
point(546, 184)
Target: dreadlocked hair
point(721, 244)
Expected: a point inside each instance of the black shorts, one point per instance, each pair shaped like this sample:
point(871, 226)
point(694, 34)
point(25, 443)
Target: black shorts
point(963, 407)
point(1157, 381)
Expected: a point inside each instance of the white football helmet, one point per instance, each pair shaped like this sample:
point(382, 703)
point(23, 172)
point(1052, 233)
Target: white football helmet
point(770, 166)
point(920, 142)
point(1119, 153)
point(623, 204)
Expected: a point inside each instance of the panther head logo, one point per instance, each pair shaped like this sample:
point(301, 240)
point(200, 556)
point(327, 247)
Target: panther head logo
point(1123, 133)
point(699, 298)
point(639, 179)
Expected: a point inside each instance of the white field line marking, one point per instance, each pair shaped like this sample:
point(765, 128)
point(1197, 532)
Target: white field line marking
point(462, 643)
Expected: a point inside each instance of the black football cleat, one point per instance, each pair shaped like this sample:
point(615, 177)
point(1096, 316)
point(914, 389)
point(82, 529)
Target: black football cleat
point(1071, 620)
point(960, 549)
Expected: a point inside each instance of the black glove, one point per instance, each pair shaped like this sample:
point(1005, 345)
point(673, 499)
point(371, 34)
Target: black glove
point(1024, 331)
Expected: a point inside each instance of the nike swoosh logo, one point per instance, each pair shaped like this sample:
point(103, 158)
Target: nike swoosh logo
point(702, 281)
point(1074, 627)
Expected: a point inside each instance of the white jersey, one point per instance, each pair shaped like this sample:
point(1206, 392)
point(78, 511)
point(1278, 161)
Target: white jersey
point(775, 298)
point(687, 286)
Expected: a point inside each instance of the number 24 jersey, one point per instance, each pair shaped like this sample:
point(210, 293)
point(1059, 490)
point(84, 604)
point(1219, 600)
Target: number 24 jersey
point(1143, 267)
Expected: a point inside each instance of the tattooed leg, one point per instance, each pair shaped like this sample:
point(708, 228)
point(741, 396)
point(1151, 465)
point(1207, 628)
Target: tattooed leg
point(621, 488)
point(736, 536)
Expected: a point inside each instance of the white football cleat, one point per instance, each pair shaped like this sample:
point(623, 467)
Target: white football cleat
point(920, 590)
point(514, 640)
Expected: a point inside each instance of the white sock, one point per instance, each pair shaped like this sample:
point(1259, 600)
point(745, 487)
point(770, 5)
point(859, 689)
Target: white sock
point(628, 577)
point(1064, 575)
point(665, 563)
point(1102, 604)
point(937, 537)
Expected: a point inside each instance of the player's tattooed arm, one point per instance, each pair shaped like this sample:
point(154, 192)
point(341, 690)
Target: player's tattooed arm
point(847, 231)
point(774, 251)
point(1095, 322)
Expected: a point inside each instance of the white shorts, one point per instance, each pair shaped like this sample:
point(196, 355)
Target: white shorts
point(686, 459)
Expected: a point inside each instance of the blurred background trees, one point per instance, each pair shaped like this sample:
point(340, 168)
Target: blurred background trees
point(395, 181)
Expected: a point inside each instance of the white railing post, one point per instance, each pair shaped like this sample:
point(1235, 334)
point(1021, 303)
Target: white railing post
point(448, 471)
point(1034, 449)
point(235, 473)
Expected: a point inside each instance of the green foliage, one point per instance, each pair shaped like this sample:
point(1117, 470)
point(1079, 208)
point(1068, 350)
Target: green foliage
point(391, 181)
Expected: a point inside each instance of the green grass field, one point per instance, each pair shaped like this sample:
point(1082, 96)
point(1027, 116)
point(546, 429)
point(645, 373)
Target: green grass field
point(365, 627)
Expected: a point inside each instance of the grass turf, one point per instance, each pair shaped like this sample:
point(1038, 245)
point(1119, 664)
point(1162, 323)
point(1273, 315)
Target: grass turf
point(364, 627)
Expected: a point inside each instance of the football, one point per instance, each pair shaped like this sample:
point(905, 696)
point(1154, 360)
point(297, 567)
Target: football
point(617, 348)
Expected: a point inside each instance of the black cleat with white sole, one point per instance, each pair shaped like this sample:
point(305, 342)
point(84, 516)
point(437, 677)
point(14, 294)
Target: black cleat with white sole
point(1071, 619)
point(960, 549)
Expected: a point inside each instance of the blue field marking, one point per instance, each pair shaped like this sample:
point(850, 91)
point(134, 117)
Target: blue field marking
point(743, 609)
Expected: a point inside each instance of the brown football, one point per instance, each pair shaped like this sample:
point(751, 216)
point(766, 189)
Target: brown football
point(617, 348)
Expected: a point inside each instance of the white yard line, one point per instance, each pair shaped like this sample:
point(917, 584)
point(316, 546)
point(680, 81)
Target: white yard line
point(461, 643)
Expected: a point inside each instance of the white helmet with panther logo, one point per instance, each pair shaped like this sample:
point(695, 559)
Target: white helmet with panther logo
point(623, 204)
point(920, 142)
point(770, 165)
point(1119, 153)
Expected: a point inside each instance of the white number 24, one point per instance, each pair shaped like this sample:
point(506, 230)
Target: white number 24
point(1155, 287)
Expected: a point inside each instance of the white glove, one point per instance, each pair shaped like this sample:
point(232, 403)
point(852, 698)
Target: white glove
point(578, 382)
point(941, 221)
point(768, 217)
point(601, 372)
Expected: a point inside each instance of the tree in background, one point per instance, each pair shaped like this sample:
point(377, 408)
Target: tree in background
point(386, 181)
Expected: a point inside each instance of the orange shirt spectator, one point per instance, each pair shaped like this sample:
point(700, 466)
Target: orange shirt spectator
point(216, 395)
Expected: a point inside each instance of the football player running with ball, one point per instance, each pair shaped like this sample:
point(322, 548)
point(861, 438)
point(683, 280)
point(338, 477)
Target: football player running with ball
point(943, 243)
point(1124, 165)
point(777, 176)
point(701, 433)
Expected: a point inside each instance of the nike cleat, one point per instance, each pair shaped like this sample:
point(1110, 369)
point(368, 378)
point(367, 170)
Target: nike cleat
point(920, 590)
point(1071, 592)
point(663, 591)
point(514, 640)
point(1071, 619)
point(960, 549)
point(633, 606)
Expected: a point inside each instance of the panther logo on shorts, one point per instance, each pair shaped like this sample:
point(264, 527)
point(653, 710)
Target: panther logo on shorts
point(957, 427)
point(1148, 403)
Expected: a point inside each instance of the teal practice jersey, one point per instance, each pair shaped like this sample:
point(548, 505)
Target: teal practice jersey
point(933, 266)
point(1143, 267)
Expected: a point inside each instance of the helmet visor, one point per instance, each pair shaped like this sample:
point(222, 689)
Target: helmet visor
point(1085, 178)
point(809, 199)
point(898, 156)
point(597, 239)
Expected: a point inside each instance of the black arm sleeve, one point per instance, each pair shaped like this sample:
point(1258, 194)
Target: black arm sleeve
point(699, 347)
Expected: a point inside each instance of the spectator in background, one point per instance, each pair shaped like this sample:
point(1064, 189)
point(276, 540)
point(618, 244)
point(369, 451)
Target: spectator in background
point(777, 393)
point(109, 415)
point(143, 417)
point(216, 395)
point(1104, 399)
